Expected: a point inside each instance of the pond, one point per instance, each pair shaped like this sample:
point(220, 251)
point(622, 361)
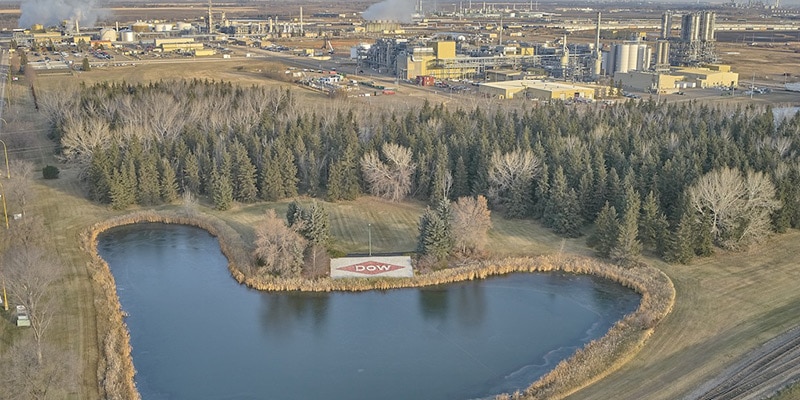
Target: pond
point(197, 334)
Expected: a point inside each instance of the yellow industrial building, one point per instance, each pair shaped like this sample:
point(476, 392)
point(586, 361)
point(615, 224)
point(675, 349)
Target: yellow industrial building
point(422, 61)
point(713, 75)
point(536, 89)
point(679, 78)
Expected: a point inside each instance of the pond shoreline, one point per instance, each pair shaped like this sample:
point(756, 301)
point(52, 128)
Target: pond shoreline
point(594, 361)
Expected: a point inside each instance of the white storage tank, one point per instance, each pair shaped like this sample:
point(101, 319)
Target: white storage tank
point(184, 26)
point(621, 59)
point(163, 27)
point(633, 57)
point(128, 36)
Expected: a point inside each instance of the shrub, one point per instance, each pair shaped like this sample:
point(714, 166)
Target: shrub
point(50, 172)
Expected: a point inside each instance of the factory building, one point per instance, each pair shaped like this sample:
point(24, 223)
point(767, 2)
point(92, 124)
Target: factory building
point(536, 89)
point(678, 78)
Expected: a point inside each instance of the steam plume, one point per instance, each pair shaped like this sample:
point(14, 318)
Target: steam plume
point(52, 12)
point(391, 10)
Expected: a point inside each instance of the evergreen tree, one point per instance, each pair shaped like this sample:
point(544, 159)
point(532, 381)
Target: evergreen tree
point(604, 237)
point(221, 190)
point(460, 179)
point(680, 246)
point(652, 223)
point(435, 239)
point(169, 184)
point(100, 176)
point(628, 249)
point(343, 181)
point(703, 238)
point(123, 186)
point(244, 175)
point(149, 189)
point(271, 181)
point(191, 173)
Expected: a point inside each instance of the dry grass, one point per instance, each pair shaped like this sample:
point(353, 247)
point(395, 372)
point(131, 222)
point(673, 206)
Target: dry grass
point(726, 306)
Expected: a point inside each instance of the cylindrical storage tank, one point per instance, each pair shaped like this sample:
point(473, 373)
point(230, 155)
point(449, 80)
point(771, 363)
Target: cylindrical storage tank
point(648, 58)
point(108, 34)
point(608, 62)
point(140, 27)
point(660, 60)
point(184, 26)
point(642, 58)
point(633, 57)
point(163, 27)
point(621, 63)
point(128, 36)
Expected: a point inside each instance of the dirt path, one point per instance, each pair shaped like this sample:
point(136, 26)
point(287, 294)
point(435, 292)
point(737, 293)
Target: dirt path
point(760, 374)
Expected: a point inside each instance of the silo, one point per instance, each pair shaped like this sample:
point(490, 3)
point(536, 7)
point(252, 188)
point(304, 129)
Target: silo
point(666, 25)
point(608, 61)
point(643, 57)
point(662, 53)
point(690, 27)
point(621, 60)
point(707, 26)
point(128, 36)
point(633, 57)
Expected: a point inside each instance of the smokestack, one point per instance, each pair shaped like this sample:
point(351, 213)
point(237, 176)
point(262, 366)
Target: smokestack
point(210, 23)
point(77, 27)
point(301, 21)
point(597, 37)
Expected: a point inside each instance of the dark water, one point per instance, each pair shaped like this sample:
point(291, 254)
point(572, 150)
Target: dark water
point(197, 334)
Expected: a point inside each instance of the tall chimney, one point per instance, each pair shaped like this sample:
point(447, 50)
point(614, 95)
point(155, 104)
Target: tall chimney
point(77, 27)
point(301, 21)
point(597, 37)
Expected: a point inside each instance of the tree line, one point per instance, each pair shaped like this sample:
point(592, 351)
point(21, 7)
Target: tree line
point(675, 179)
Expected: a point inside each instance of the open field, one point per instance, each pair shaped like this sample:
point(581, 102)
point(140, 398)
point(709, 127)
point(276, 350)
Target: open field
point(726, 305)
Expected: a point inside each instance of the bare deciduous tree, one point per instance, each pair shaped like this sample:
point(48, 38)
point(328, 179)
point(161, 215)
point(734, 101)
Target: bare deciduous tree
point(279, 249)
point(27, 378)
point(29, 274)
point(18, 188)
point(737, 206)
point(391, 179)
point(511, 171)
point(471, 223)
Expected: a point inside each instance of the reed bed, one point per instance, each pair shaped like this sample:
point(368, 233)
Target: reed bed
point(589, 364)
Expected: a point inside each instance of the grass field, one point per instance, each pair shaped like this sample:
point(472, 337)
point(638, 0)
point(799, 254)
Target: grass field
point(726, 305)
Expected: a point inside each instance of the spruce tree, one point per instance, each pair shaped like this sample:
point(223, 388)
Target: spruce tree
point(270, 181)
point(191, 173)
point(628, 249)
point(169, 184)
point(100, 176)
point(243, 173)
point(149, 189)
point(652, 223)
point(221, 190)
point(460, 179)
point(680, 245)
point(604, 237)
point(435, 233)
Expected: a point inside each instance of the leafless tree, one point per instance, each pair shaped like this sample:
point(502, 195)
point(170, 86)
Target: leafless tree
point(736, 206)
point(18, 188)
point(279, 248)
point(511, 171)
point(471, 223)
point(25, 377)
point(391, 179)
point(29, 274)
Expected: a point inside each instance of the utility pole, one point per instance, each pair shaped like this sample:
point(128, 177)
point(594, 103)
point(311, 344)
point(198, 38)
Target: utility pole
point(369, 229)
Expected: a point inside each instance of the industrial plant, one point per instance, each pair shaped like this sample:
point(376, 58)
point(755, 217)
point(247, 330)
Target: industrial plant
point(483, 43)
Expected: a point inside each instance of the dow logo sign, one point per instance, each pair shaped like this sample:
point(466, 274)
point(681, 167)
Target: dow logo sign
point(361, 267)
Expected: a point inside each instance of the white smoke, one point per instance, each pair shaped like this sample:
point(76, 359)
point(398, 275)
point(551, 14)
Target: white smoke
point(53, 12)
point(390, 10)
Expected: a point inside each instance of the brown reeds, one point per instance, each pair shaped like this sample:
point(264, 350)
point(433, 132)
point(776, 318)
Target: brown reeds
point(589, 364)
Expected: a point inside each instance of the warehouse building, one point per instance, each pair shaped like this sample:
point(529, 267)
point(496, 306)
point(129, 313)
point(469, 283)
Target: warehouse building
point(536, 89)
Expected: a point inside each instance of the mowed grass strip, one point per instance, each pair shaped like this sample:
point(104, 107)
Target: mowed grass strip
point(726, 306)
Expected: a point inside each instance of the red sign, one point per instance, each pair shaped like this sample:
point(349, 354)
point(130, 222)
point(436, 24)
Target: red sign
point(371, 268)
